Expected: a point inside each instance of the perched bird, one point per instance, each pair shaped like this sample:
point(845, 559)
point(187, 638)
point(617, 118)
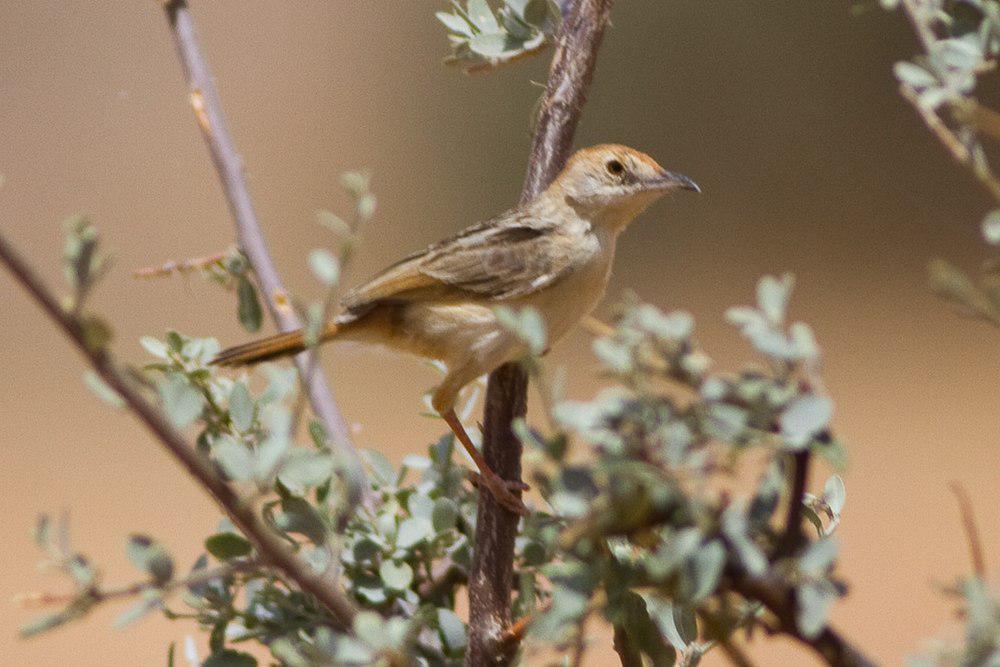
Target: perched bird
point(553, 253)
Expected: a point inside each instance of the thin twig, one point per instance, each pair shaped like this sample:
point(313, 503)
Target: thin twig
point(490, 580)
point(971, 530)
point(271, 548)
point(182, 266)
point(229, 166)
point(97, 595)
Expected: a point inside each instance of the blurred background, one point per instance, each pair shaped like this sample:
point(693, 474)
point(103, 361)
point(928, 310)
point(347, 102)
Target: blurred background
point(785, 113)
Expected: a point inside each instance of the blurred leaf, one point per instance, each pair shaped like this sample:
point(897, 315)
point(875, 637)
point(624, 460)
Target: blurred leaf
point(181, 401)
point(835, 493)
point(452, 629)
point(241, 407)
point(991, 227)
point(225, 546)
point(772, 296)
point(397, 577)
point(412, 531)
point(101, 389)
point(324, 266)
point(814, 601)
point(150, 556)
point(248, 308)
point(236, 460)
point(482, 16)
point(306, 468)
point(805, 418)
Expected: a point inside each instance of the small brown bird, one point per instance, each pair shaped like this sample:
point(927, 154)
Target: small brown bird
point(553, 254)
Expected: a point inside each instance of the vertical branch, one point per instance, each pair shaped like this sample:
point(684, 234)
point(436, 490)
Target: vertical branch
point(250, 238)
point(793, 538)
point(490, 581)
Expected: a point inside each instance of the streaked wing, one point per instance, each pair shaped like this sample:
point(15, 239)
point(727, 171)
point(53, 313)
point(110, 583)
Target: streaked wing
point(501, 259)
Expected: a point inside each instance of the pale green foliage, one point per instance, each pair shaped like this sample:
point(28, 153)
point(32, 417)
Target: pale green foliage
point(483, 37)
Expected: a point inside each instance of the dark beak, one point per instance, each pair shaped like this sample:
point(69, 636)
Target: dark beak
point(669, 180)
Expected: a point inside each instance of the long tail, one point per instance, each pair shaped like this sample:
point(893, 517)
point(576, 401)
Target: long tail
point(272, 347)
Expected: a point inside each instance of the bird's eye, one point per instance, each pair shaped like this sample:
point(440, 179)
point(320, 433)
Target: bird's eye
point(615, 167)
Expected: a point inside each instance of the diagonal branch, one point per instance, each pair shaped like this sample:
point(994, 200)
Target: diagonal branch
point(271, 547)
point(229, 166)
point(491, 577)
point(779, 598)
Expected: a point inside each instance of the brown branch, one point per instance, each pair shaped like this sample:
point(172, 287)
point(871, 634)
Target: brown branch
point(794, 538)
point(271, 548)
point(779, 599)
point(971, 530)
point(490, 580)
point(229, 166)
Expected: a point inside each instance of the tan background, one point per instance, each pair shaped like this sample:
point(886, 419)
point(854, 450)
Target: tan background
point(785, 113)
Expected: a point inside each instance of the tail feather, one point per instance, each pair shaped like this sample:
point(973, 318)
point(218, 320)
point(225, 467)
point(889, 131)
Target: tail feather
point(265, 349)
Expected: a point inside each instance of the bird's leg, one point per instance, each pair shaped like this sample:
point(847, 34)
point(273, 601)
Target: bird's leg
point(506, 492)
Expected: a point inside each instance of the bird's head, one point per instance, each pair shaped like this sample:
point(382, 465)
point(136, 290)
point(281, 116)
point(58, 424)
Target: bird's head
point(612, 184)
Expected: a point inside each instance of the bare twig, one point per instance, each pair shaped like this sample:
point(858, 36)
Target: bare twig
point(971, 530)
point(271, 548)
point(97, 595)
point(229, 166)
point(572, 69)
point(182, 266)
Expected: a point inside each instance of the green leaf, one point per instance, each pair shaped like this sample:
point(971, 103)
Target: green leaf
point(772, 296)
point(241, 407)
point(324, 266)
point(835, 493)
point(804, 418)
point(181, 401)
point(482, 16)
point(991, 227)
point(235, 458)
point(413, 531)
point(248, 308)
point(455, 23)
point(452, 628)
point(306, 468)
point(225, 546)
point(913, 75)
point(46, 623)
point(101, 389)
point(445, 514)
point(490, 44)
point(148, 555)
point(137, 611)
point(155, 347)
point(818, 557)
point(298, 516)
point(706, 568)
point(230, 658)
point(814, 601)
point(396, 577)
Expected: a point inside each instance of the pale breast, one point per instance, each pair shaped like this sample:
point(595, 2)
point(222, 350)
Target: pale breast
point(563, 304)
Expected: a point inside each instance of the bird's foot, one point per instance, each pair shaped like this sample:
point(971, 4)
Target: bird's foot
point(505, 491)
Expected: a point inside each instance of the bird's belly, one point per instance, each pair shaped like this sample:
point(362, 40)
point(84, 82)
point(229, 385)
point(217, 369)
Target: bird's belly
point(566, 302)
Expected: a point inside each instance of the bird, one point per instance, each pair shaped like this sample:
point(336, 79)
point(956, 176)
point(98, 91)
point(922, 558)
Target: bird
point(553, 253)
